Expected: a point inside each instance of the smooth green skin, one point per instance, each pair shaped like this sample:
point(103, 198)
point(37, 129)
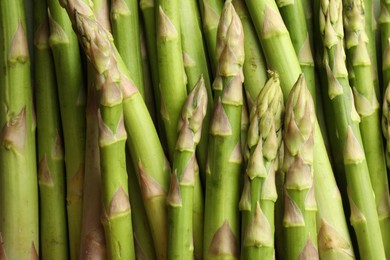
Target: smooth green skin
point(126, 32)
point(198, 216)
point(71, 91)
point(18, 179)
point(384, 22)
point(293, 16)
point(210, 11)
point(180, 219)
point(143, 239)
point(223, 183)
point(308, 9)
point(255, 68)
point(53, 227)
point(280, 56)
point(170, 69)
point(118, 227)
point(193, 46)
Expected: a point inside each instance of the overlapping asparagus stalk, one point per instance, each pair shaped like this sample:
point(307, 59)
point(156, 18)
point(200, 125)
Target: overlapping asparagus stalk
point(147, 153)
point(280, 56)
point(384, 21)
point(51, 175)
point(181, 193)
point(367, 106)
point(221, 236)
point(18, 178)
point(259, 193)
point(71, 92)
point(299, 222)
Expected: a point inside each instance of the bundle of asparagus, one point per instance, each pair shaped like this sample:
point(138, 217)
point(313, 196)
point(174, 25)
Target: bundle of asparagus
point(195, 129)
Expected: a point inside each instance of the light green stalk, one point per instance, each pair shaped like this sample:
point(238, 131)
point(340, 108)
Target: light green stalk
point(198, 214)
point(222, 227)
point(299, 221)
point(195, 64)
point(147, 153)
point(384, 21)
point(259, 193)
point(181, 193)
point(18, 170)
point(116, 217)
point(170, 68)
point(51, 176)
point(308, 8)
point(280, 56)
point(126, 32)
point(71, 93)
point(255, 68)
point(210, 11)
point(370, 126)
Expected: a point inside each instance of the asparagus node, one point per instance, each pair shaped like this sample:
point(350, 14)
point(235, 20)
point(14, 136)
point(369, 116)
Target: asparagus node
point(221, 232)
point(51, 171)
point(259, 195)
point(370, 127)
point(147, 153)
point(19, 229)
point(255, 68)
point(170, 68)
point(300, 207)
point(124, 15)
point(210, 11)
point(71, 93)
point(181, 193)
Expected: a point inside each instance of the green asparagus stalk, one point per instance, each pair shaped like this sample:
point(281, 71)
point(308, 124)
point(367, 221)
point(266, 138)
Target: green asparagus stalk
point(71, 92)
point(210, 11)
point(112, 138)
point(221, 230)
point(18, 179)
point(308, 12)
point(384, 21)
point(92, 234)
point(51, 175)
point(368, 108)
point(280, 56)
point(147, 153)
point(124, 15)
point(170, 68)
point(198, 214)
point(293, 16)
point(255, 69)
point(181, 193)
point(259, 194)
point(299, 221)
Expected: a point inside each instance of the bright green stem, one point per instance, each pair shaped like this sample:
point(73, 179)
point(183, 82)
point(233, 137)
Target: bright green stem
point(299, 221)
point(147, 153)
point(210, 11)
point(293, 16)
point(259, 194)
point(71, 92)
point(126, 32)
point(170, 68)
point(198, 216)
point(51, 176)
point(195, 64)
point(222, 227)
point(384, 21)
point(370, 127)
point(308, 8)
point(181, 193)
point(255, 68)
point(18, 179)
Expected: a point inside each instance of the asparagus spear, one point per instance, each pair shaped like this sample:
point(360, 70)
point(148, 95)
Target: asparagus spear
point(368, 108)
point(51, 175)
point(18, 179)
point(300, 232)
point(181, 193)
point(92, 234)
point(259, 194)
point(384, 20)
point(71, 92)
point(147, 153)
point(124, 15)
point(221, 231)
